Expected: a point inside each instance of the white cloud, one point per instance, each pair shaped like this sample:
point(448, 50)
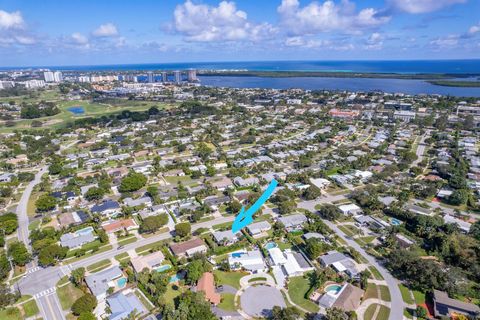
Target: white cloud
point(474, 29)
point(206, 23)
point(445, 42)
point(302, 42)
point(327, 16)
point(423, 6)
point(106, 30)
point(375, 41)
point(79, 38)
point(25, 40)
point(12, 20)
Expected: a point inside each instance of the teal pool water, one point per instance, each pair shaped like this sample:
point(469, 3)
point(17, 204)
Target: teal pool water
point(84, 231)
point(333, 288)
point(270, 245)
point(121, 282)
point(175, 278)
point(76, 110)
point(163, 267)
point(395, 222)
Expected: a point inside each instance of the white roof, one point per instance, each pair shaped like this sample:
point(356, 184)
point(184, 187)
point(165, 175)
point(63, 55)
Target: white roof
point(277, 256)
point(464, 225)
point(349, 207)
point(292, 267)
point(339, 266)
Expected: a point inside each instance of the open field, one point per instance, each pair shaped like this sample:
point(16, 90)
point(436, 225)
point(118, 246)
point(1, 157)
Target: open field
point(91, 109)
point(297, 289)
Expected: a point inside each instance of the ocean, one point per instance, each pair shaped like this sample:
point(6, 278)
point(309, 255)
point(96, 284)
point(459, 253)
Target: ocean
point(458, 67)
point(391, 66)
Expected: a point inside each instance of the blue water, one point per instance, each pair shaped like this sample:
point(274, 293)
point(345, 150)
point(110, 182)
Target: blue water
point(333, 288)
point(84, 231)
point(76, 110)
point(395, 222)
point(270, 245)
point(396, 66)
point(176, 278)
point(163, 268)
point(412, 87)
point(121, 282)
point(237, 254)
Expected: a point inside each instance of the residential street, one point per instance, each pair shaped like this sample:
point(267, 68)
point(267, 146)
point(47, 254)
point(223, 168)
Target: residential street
point(396, 312)
point(41, 283)
point(23, 232)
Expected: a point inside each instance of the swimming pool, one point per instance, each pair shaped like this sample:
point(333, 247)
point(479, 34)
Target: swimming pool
point(270, 245)
point(84, 231)
point(76, 110)
point(176, 278)
point(333, 289)
point(237, 254)
point(395, 222)
point(163, 267)
point(121, 282)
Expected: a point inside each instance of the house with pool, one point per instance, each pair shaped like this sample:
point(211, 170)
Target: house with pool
point(188, 248)
point(343, 296)
point(251, 261)
point(287, 263)
point(150, 262)
point(101, 281)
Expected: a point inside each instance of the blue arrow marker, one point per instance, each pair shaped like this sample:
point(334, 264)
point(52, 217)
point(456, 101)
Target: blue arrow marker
point(244, 218)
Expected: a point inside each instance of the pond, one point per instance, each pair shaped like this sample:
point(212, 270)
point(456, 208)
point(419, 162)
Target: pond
point(76, 110)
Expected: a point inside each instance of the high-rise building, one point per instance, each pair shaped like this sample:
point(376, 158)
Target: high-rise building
point(57, 76)
point(151, 77)
point(50, 76)
point(192, 75)
point(177, 75)
point(164, 77)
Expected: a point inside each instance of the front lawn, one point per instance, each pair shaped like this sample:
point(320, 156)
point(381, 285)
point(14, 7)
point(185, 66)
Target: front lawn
point(30, 308)
point(100, 265)
point(385, 293)
point(407, 298)
point(10, 314)
point(297, 290)
point(371, 292)
point(231, 278)
point(419, 297)
point(67, 295)
point(228, 302)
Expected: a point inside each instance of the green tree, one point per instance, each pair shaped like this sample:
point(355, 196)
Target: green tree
point(94, 193)
point(421, 312)
point(45, 203)
point(329, 212)
point(51, 254)
point(153, 223)
point(132, 182)
point(78, 276)
point(19, 253)
point(4, 266)
point(84, 304)
point(55, 168)
point(288, 313)
point(312, 193)
point(183, 229)
point(8, 223)
point(87, 316)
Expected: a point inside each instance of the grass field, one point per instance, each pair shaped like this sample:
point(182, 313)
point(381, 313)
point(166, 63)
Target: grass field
point(371, 292)
point(230, 278)
point(297, 289)
point(419, 297)
point(30, 308)
point(122, 256)
point(67, 295)
point(228, 302)
point(406, 294)
point(127, 241)
point(369, 313)
point(383, 313)
point(257, 279)
point(172, 292)
point(385, 293)
point(376, 274)
point(11, 314)
point(91, 109)
point(100, 265)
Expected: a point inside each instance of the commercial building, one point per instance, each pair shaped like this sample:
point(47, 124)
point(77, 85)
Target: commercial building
point(150, 77)
point(177, 76)
point(50, 76)
point(192, 75)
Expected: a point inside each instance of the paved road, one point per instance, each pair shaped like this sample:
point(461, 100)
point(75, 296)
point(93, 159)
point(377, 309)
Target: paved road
point(44, 280)
point(421, 149)
point(396, 312)
point(50, 306)
point(310, 205)
point(23, 232)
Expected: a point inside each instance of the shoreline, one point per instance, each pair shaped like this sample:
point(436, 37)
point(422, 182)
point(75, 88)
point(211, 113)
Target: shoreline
point(326, 74)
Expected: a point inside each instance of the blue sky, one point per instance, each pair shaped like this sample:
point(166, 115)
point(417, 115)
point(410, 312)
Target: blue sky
point(47, 32)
